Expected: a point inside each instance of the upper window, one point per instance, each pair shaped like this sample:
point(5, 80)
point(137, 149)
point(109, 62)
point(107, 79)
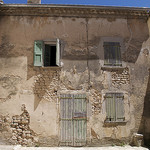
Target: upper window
point(112, 54)
point(47, 53)
point(114, 107)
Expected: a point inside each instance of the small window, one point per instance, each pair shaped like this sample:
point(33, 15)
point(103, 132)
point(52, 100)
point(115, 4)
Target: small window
point(47, 53)
point(112, 54)
point(114, 107)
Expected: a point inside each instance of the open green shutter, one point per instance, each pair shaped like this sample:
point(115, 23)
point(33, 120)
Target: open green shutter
point(58, 52)
point(38, 53)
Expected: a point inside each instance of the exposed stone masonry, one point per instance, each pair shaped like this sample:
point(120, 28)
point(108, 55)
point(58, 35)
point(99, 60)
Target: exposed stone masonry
point(120, 77)
point(5, 131)
point(4, 123)
point(21, 132)
point(46, 85)
point(96, 102)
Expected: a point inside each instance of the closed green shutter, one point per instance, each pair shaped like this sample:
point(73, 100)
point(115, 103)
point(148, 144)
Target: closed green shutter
point(114, 107)
point(110, 107)
point(118, 55)
point(119, 107)
point(38, 53)
point(112, 54)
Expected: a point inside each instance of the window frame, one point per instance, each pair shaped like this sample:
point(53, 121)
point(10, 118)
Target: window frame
point(112, 49)
point(118, 112)
point(54, 42)
point(122, 50)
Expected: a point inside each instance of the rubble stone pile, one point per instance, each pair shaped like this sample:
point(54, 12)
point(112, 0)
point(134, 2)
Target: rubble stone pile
point(21, 132)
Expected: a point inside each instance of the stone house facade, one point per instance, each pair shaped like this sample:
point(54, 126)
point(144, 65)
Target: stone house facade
point(73, 75)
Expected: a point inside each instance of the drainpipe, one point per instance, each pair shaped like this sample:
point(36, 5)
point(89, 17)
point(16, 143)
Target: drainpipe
point(33, 1)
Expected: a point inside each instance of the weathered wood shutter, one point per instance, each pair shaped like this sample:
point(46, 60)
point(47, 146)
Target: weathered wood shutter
point(58, 52)
point(110, 107)
point(73, 119)
point(119, 107)
point(106, 54)
point(79, 120)
point(66, 106)
point(38, 53)
point(114, 107)
point(118, 54)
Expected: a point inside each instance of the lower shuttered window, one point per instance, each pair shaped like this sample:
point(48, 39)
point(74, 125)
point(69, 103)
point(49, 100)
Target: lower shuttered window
point(114, 103)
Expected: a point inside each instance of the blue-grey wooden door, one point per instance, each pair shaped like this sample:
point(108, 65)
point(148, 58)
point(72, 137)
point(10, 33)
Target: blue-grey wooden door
point(73, 117)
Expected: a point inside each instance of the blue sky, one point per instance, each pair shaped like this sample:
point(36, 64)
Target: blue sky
point(130, 3)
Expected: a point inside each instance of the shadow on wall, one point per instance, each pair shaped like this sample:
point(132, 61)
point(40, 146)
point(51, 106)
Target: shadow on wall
point(145, 121)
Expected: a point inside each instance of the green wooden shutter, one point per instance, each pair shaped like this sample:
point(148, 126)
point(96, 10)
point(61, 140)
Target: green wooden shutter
point(114, 107)
point(107, 108)
point(119, 107)
point(58, 52)
point(110, 107)
point(112, 54)
point(118, 55)
point(38, 53)
point(107, 54)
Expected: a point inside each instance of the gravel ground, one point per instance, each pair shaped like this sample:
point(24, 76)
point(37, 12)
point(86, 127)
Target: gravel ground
point(18, 147)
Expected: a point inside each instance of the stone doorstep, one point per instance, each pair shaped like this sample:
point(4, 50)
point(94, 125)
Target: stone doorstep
point(7, 147)
point(19, 147)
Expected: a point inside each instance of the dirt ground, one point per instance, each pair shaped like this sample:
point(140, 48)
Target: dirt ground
point(18, 147)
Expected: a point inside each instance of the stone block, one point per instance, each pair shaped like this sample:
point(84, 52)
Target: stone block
point(14, 137)
point(137, 139)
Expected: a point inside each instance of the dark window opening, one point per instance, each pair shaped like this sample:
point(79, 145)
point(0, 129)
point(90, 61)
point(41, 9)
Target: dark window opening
point(50, 55)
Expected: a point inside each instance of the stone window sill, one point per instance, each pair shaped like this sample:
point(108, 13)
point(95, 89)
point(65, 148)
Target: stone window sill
point(112, 68)
point(48, 68)
point(53, 67)
point(114, 123)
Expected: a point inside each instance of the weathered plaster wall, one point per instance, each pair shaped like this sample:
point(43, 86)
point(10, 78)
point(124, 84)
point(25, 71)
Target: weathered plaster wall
point(145, 122)
point(82, 58)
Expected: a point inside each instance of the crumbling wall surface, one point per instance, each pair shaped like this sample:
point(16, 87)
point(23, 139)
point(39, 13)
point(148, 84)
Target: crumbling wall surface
point(131, 79)
point(21, 132)
point(145, 123)
point(37, 87)
point(82, 70)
